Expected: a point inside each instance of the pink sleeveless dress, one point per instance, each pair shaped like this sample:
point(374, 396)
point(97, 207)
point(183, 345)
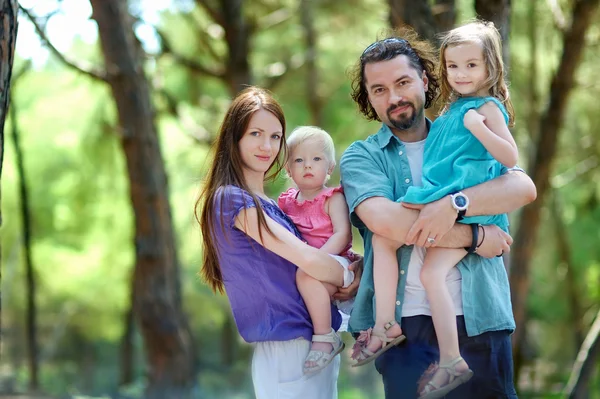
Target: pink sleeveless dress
point(310, 218)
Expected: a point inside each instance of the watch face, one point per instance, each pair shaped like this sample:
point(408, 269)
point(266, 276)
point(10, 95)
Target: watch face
point(460, 201)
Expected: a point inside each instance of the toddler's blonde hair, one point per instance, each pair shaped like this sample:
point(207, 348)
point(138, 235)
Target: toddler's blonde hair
point(304, 133)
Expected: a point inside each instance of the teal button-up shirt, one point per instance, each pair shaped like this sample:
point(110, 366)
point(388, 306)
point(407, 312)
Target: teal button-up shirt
point(378, 167)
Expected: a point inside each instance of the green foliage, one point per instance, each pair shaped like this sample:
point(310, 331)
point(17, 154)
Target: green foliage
point(82, 218)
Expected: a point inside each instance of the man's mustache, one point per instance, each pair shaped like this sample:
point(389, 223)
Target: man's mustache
point(400, 104)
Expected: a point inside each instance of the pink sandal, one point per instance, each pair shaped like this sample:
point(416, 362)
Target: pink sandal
point(360, 351)
point(429, 390)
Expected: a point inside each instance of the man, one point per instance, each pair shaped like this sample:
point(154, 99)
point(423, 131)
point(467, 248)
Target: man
point(393, 82)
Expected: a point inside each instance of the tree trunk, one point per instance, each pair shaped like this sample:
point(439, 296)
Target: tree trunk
point(564, 254)
point(427, 21)
point(9, 10)
point(157, 304)
point(237, 36)
point(444, 15)
point(127, 347)
point(315, 102)
point(417, 14)
point(585, 364)
point(550, 125)
point(30, 286)
point(498, 12)
point(533, 120)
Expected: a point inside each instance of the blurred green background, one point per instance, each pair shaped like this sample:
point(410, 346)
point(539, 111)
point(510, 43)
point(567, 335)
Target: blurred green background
point(82, 221)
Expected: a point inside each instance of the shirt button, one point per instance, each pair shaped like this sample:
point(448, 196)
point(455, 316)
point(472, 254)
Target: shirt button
point(401, 271)
point(401, 152)
point(407, 181)
point(398, 303)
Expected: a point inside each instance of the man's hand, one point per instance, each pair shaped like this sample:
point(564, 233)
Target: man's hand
point(495, 243)
point(435, 220)
point(344, 294)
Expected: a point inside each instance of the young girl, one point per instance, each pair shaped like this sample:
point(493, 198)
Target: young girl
point(321, 215)
point(472, 133)
point(252, 251)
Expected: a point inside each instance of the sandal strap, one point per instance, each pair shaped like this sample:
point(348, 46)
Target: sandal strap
point(389, 324)
point(381, 334)
point(331, 338)
point(450, 367)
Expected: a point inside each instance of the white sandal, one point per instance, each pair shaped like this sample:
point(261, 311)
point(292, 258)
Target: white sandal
point(455, 378)
point(322, 359)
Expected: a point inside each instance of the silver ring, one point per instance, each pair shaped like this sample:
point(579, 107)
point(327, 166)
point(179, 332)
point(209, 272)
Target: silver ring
point(430, 240)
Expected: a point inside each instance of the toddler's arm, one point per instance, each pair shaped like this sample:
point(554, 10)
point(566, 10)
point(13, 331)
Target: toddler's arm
point(337, 209)
point(488, 125)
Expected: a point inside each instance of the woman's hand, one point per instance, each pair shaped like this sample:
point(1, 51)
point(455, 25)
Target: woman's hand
point(344, 294)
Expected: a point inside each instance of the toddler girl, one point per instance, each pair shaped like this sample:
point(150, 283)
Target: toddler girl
point(321, 215)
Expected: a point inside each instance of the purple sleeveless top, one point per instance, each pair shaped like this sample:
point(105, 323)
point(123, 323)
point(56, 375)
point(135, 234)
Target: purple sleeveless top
point(260, 285)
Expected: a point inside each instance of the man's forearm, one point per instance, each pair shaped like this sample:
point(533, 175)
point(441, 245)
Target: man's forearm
point(387, 218)
point(393, 221)
point(460, 236)
point(503, 194)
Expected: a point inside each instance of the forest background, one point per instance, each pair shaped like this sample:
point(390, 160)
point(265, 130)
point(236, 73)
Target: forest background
point(110, 100)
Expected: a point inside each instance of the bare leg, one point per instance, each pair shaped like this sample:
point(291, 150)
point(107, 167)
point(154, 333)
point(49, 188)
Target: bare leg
point(317, 297)
point(438, 262)
point(385, 278)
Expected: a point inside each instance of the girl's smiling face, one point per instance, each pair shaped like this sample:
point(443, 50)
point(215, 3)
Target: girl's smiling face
point(466, 69)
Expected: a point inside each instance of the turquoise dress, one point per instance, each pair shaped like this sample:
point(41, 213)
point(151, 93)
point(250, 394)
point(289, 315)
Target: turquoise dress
point(454, 159)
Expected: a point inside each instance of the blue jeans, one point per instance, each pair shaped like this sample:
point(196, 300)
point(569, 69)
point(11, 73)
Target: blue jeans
point(489, 355)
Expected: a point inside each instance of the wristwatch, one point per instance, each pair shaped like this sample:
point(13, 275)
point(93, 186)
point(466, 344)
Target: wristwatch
point(460, 202)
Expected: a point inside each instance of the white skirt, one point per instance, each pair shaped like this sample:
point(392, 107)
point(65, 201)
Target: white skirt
point(277, 372)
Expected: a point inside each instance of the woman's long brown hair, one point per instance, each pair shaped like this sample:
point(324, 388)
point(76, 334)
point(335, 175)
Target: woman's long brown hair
point(227, 169)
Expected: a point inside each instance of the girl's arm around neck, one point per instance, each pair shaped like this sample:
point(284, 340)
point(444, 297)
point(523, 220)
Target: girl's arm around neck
point(337, 209)
point(314, 262)
point(489, 126)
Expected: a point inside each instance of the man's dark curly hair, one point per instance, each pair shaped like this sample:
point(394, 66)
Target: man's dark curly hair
point(403, 41)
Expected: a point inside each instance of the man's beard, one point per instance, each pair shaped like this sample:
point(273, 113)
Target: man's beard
point(406, 122)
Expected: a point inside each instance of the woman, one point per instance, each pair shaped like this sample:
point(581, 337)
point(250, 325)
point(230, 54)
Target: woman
point(252, 251)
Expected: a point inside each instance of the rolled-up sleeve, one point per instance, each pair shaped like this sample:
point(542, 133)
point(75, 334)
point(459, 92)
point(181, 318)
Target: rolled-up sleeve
point(363, 176)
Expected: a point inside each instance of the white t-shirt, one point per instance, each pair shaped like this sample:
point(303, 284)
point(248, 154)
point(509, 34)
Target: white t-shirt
point(415, 298)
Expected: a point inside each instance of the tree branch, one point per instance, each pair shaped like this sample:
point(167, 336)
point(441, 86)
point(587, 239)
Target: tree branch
point(204, 37)
point(584, 363)
point(273, 19)
point(191, 128)
point(18, 74)
point(573, 173)
point(93, 72)
point(192, 65)
point(557, 15)
point(218, 18)
point(292, 63)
